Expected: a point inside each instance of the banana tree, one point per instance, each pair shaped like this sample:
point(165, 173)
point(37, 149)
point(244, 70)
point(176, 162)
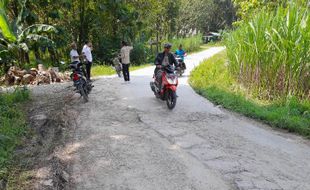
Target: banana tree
point(16, 37)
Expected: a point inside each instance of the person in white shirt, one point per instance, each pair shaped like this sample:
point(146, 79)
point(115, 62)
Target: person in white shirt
point(74, 55)
point(88, 57)
point(125, 55)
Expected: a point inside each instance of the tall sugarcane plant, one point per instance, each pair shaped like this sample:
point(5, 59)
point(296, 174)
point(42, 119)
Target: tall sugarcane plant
point(16, 36)
point(271, 53)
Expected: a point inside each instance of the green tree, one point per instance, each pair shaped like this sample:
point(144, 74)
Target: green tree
point(16, 36)
point(205, 16)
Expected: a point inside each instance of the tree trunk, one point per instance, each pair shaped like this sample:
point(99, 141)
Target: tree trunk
point(37, 53)
point(82, 36)
point(27, 57)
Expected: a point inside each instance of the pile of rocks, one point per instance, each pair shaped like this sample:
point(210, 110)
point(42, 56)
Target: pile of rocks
point(34, 76)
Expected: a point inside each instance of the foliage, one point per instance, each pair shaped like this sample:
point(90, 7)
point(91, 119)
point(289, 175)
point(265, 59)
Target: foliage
point(139, 54)
point(205, 16)
point(12, 125)
point(270, 54)
point(106, 23)
point(4, 25)
point(189, 44)
point(16, 37)
point(213, 80)
point(247, 8)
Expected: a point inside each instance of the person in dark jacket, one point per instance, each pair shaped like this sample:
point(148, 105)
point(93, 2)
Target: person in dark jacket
point(162, 60)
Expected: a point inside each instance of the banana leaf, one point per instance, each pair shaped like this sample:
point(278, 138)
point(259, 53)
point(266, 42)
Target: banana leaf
point(37, 29)
point(5, 28)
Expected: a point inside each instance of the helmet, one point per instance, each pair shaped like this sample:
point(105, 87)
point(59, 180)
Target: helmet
point(167, 45)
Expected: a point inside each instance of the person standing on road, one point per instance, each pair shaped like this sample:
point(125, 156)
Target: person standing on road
point(75, 57)
point(88, 57)
point(125, 56)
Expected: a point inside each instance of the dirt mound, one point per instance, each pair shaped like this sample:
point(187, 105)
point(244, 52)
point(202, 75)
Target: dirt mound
point(39, 162)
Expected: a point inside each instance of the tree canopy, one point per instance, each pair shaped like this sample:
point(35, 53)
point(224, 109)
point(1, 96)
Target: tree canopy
point(106, 23)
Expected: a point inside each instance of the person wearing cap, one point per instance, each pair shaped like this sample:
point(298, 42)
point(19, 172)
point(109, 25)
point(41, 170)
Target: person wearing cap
point(163, 59)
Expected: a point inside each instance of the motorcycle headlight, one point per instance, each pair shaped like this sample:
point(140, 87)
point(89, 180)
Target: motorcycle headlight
point(172, 80)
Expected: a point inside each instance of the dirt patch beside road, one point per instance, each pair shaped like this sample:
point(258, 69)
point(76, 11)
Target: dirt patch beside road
point(41, 162)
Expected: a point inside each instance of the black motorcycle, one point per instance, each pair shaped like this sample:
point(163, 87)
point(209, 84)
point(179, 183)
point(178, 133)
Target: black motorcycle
point(78, 76)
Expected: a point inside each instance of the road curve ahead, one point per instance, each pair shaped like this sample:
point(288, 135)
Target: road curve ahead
point(128, 140)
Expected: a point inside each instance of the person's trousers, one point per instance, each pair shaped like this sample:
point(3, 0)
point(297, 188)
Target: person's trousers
point(126, 72)
point(158, 76)
point(88, 69)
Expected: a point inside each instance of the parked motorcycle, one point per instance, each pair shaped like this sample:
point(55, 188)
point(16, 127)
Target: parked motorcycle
point(82, 85)
point(117, 65)
point(167, 91)
point(182, 67)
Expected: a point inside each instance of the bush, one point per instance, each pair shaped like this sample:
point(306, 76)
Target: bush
point(139, 54)
point(13, 125)
point(189, 44)
point(106, 49)
point(270, 54)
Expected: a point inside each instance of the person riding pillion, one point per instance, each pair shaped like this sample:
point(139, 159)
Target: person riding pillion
point(163, 59)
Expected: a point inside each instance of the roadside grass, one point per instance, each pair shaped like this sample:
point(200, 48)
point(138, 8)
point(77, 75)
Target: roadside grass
point(213, 80)
point(190, 44)
point(99, 70)
point(194, 44)
point(13, 126)
point(105, 70)
point(207, 46)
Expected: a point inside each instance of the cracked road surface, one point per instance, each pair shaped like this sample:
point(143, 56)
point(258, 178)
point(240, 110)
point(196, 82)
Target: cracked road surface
point(128, 140)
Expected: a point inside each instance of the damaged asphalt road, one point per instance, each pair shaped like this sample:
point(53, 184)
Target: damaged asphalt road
point(126, 139)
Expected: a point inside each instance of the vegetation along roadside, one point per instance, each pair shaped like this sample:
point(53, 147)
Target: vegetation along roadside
point(213, 80)
point(13, 127)
point(264, 72)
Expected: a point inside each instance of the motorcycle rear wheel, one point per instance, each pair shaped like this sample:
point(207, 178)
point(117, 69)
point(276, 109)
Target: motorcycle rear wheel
point(171, 99)
point(83, 93)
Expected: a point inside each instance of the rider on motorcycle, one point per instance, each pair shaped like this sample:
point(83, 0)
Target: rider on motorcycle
point(164, 59)
point(181, 53)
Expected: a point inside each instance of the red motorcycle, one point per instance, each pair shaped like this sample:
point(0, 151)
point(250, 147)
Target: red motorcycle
point(167, 90)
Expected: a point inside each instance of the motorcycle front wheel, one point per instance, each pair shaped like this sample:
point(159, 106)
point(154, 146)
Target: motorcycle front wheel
point(171, 99)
